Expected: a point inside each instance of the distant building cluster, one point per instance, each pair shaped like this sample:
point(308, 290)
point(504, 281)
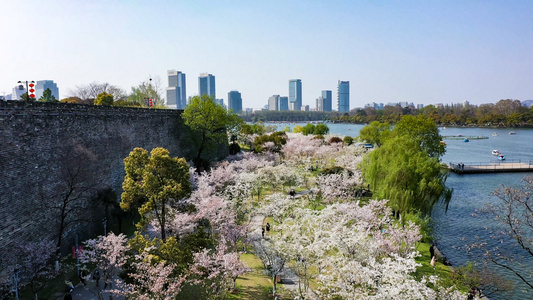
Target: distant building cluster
point(323, 102)
point(405, 104)
point(177, 93)
point(40, 86)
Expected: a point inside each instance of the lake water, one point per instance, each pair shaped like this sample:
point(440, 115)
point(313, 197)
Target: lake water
point(461, 224)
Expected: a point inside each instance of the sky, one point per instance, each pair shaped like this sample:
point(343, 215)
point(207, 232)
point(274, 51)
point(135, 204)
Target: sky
point(425, 52)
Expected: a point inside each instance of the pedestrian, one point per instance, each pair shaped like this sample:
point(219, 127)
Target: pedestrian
point(68, 296)
point(82, 276)
point(268, 227)
point(96, 277)
point(263, 232)
point(433, 262)
point(432, 250)
point(69, 284)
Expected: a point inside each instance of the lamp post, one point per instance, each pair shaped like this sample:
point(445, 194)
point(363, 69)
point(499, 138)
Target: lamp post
point(31, 84)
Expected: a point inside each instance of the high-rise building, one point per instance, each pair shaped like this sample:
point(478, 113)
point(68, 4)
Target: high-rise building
point(320, 104)
point(18, 91)
point(295, 94)
point(235, 101)
point(327, 101)
point(343, 96)
point(273, 102)
point(42, 85)
point(283, 103)
point(176, 91)
point(206, 85)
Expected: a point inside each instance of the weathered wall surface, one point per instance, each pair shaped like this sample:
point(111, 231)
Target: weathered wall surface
point(39, 141)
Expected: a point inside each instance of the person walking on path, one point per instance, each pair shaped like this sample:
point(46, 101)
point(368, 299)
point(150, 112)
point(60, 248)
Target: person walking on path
point(268, 227)
point(68, 296)
point(263, 232)
point(432, 250)
point(433, 261)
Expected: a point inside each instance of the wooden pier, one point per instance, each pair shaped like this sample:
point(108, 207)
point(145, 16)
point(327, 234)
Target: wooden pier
point(463, 137)
point(491, 167)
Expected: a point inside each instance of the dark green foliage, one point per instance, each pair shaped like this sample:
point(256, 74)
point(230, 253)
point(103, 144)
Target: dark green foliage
point(234, 148)
point(253, 129)
point(308, 129)
point(318, 137)
point(321, 129)
point(348, 140)
point(279, 139)
point(334, 170)
point(335, 139)
point(210, 122)
point(47, 96)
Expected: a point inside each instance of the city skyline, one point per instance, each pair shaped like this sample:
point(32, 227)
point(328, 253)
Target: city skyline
point(420, 52)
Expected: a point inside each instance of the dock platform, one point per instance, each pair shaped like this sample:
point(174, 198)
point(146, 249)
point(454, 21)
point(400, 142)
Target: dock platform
point(491, 167)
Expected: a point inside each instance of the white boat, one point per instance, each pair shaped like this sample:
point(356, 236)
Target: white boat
point(512, 132)
point(494, 134)
point(501, 157)
point(496, 152)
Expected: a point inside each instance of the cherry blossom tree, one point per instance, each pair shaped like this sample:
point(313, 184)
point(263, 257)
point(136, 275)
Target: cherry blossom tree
point(32, 262)
point(217, 270)
point(152, 280)
point(109, 255)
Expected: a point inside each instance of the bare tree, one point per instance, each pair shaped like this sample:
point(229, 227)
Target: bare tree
point(512, 247)
point(89, 92)
point(66, 201)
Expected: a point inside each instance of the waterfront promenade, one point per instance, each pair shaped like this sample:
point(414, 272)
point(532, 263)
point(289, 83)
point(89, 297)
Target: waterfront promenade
point(491, 167)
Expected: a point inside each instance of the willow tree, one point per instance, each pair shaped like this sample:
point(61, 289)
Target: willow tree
point(375, 133)
point(406, 168)
point(154, 182)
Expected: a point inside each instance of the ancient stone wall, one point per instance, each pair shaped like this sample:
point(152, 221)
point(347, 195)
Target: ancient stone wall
point(43, 145)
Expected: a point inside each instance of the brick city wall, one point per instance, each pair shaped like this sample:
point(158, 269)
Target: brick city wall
point(38, 139)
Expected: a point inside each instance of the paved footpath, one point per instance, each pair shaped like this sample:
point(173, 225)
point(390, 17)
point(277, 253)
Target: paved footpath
point(89, 292)
point(289, 279)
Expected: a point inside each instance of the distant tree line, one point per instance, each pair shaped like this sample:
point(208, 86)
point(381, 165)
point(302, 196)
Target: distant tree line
point(505, 113)
point(286, 116)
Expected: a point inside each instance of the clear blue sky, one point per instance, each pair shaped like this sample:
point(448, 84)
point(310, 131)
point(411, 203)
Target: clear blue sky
point(417, 51)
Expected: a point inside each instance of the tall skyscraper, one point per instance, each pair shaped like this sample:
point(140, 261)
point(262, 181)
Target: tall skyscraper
point(273, 102)
point(206, 85)
point(235, 101)
point(42, 85)
point(283, 103)
point(295, 94)
point(328, 101)
point(343, 96)
point(176, 92)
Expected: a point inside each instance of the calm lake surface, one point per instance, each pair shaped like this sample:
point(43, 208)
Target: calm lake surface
point(461, 225)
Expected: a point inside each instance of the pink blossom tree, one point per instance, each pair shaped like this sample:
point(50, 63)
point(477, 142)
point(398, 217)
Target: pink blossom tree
point(109, 255)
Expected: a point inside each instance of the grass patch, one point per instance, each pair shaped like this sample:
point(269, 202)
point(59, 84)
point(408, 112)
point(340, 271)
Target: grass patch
point(445, 273)
point(254, 284)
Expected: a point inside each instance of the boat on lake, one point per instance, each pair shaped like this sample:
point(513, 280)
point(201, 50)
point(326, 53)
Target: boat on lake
point(466, 140)
point(494, 134)
point(501, 157)
point(512, 132)
point(496, 152)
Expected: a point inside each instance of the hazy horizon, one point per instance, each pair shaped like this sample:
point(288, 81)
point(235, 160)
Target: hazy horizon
point(415, 51)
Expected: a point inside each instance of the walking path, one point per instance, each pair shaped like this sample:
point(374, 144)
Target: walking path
point(289, 279)
point(89, 291)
